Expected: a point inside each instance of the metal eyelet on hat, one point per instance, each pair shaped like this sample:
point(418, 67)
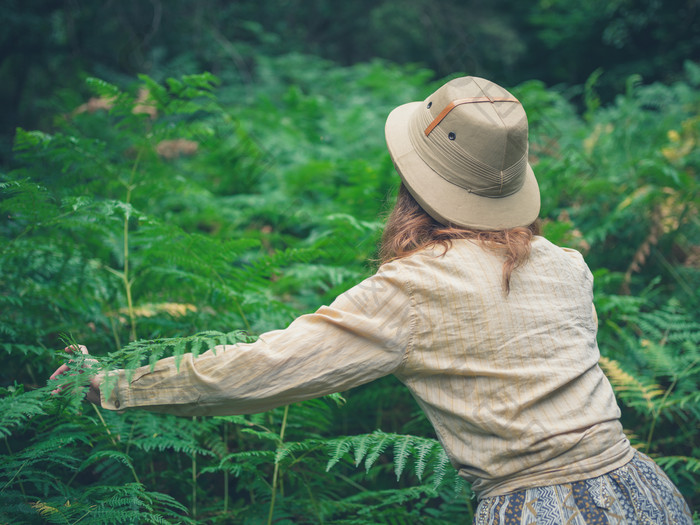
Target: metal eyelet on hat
point(430, 105)
point(451, 135)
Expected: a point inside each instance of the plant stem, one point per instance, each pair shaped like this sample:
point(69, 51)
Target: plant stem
point(226, 471)
point(194, 475)
point(81, 517)
point(470, 506)
point(657, 412)
point(21, 487)
point(314, 502)
point(111, 438)
point(276, 471)
point(12, 479)
point(125, 274)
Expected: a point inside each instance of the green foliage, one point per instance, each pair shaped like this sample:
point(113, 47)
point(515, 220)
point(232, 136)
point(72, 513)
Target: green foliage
point(655, 375)
point(406, 449)
point(625, 180)
point(163, 212)
point(181, 206)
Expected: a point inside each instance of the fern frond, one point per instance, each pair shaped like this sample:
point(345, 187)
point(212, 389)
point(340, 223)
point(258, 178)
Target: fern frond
point(15, 508)
point(46, 511)
point(131, 503)
point(164, 442)
point(310, 419)
point(629, 388)
point(402, 448)
point(440, 469)
point(369, 447)
point(338, 449)
point(18, 407)
point(425, 449)
point(664, 363)
point(134, 354)
point(215, 443)
point(263, 435)
point(294, 447)
point(374, 502)
point(239, 463)
point(100, 455)
point(102, 88)
point(691, 401)
point(362, 445)
point(672, 462)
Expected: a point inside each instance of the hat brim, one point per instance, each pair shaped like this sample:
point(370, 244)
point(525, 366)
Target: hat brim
point(447, 202)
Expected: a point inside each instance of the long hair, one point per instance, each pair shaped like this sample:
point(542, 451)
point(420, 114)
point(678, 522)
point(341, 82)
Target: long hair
point(410, 229)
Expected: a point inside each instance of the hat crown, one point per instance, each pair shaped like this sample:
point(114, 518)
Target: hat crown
point(474, 134)
point(462, 153)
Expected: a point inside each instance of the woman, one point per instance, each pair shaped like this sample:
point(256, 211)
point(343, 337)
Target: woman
point(490, 326)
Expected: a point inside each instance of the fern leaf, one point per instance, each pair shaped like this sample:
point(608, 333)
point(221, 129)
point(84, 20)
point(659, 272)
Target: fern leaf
point(338, 448)
point(402, 450)
point(425, 449)
point(100, 455)
point(377, 447)
point(215, 444)
point(440, 469)
point(337, 398)
point(670, 462)
point(691, 400)
point(628, 387)
point(19, 407)
point(102, 88)
point(292, 447)
point(361, 445)
point(45, 510)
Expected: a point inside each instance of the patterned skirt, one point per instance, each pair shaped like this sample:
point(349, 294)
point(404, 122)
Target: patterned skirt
point(636, 493)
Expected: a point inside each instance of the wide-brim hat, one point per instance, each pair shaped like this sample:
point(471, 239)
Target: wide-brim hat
point(463, 155)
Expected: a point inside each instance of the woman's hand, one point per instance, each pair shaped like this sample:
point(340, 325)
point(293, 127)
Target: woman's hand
point(93, 394)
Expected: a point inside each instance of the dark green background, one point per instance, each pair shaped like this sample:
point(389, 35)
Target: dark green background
point(48, 46)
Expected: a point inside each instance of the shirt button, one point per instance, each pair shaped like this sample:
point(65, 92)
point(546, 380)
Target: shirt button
point(116, 404)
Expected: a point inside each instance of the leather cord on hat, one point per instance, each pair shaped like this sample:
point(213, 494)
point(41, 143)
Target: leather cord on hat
point(459, 102)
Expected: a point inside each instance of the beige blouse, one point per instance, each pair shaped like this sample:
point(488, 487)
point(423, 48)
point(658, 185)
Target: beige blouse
point(510, 383)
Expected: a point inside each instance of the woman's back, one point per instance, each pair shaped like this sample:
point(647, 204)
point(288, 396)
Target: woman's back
point(511, 382)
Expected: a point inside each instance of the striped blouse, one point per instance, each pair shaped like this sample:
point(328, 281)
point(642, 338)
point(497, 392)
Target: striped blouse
point(511, 383)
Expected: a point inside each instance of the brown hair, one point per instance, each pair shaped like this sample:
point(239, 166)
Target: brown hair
point(409, 229)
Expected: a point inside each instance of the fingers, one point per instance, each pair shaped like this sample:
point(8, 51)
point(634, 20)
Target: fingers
point(77, 348)
point(66, 367)
point(60, 370)
point(70, 349)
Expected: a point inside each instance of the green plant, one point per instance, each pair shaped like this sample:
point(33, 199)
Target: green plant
point(161, 213)
point(655, 376)
point(169, 212)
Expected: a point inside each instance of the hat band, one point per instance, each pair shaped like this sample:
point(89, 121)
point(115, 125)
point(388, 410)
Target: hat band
point(457, 166)
point(470, 100)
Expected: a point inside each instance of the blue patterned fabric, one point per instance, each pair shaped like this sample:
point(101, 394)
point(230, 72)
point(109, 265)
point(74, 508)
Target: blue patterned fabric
point(639, 493)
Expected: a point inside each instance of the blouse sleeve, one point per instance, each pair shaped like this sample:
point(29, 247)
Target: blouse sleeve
point(363, 335)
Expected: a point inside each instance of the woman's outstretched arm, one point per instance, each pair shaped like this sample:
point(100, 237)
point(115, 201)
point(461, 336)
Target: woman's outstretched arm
point(363, 335)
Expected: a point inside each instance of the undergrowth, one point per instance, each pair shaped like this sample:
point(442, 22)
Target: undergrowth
point(171, 217)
